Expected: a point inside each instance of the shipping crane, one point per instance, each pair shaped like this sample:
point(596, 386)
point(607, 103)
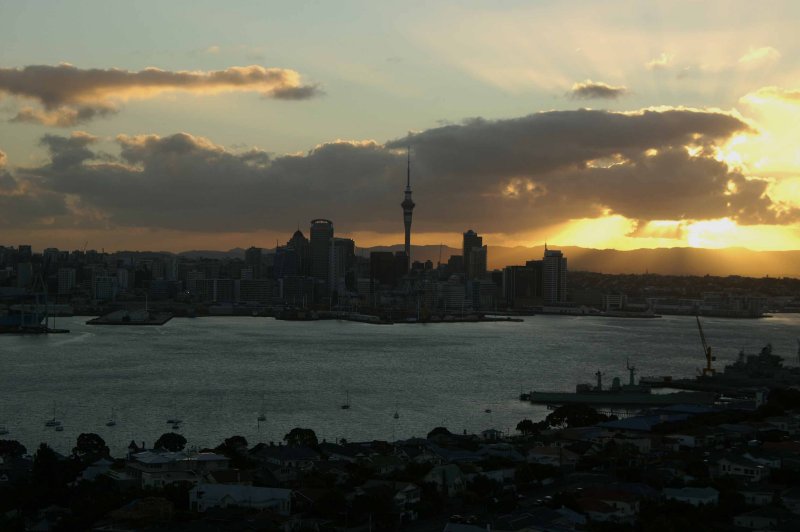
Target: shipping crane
point(708, 370)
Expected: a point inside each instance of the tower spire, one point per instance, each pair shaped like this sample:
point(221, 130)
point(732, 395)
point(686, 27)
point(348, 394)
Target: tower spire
point(408, 208)
point(408, 167)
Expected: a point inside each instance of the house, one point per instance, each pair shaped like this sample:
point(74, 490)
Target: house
point(492, 435)
point(609, 505)
point(205, 496)
point(739, 467)
point(286, 456)
point(693, 496)
point(405, 495)
point(766, 518)
point(553, 456)
point(756, 497)
point(448, 479)
point(94, 470)
point(161, 468)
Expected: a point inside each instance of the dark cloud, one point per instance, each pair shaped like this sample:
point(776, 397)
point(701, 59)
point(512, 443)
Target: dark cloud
point(590, 90)
point(503, 175)
point(23, 204)
point(70, 95)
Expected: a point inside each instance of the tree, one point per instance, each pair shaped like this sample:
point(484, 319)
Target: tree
point(299, 436)
point(526, 427)
point(90, 445)
point(576, 415)
point(12, 448)
point(171, 442)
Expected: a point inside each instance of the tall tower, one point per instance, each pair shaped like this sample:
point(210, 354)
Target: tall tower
point(408, 208)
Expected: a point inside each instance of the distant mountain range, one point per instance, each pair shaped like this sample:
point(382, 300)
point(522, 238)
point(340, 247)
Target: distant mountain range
point(672, 261)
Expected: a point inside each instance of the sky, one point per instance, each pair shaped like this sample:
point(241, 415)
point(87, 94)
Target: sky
point(200, 125)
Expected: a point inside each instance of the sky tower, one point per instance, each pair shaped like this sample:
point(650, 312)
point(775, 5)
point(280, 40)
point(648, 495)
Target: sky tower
point(408, 208)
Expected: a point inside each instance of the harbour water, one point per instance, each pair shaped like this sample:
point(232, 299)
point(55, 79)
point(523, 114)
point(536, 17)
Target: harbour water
point(213, 372)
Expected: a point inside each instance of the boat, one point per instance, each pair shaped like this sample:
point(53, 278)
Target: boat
point(52, 422)
point(630, 394)
point(176, 426)
point(261, 415)
point(346, 405)
point(112, 420)
point(396, 415)
point(59, 428)
point(488, 411)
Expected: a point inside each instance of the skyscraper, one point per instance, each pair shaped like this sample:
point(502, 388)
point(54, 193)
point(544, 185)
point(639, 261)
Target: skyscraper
point(554, 276)
point(408, 208)
point(321, 252)
point(471, 241)
point(252, 257)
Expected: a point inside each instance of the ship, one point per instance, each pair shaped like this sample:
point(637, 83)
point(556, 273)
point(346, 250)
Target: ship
point(748, 374)
point(630, 395)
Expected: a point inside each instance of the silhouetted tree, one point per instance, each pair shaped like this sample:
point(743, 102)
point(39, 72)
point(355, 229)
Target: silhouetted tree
point(90, 446)
point(12, 448)
point(171, 442)
point(526, 427)
point(300, 436)
point(577, 415)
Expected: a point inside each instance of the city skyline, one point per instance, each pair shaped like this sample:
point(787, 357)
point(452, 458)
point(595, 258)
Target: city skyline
point(227, 138)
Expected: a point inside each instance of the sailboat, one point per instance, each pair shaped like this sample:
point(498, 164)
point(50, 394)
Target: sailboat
point(346, 405)
point(53, 422)
point(396, 413)
point(261, 415)
point(112, 421)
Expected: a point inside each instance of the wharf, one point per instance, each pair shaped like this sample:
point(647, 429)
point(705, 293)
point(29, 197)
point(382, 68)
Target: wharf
point(33, 330)
point(124, 317)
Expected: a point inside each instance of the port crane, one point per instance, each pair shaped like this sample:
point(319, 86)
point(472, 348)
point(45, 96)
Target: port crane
point(708, 370)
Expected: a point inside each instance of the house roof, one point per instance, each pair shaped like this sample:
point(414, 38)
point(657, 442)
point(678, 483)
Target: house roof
point(239, 492)
point(691, 493)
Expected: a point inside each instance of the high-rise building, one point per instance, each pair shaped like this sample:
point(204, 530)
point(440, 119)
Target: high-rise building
point(299, 244)
point(408, 209)
point(321, 252)
point(66, 280)
point(252, 258)
point(554, 276)
point(343, 262)
point(477, 263)
point(472, 241)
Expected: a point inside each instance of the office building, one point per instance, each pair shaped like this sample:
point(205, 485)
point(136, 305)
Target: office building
point(253, 260)
point(554, 276)
point(321, 252)
point(471, 241)
point(66, 280)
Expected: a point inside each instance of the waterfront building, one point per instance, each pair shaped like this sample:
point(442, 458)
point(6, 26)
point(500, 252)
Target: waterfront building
point(408, 209)
point(24, 274)
point(471, 241)
point(522, 285)
point(477, 263)
point(299, 243)
point(253, 259)
point(321, 252)
point(554, 276)
point(66, 280)
point(105, 288)
point(342, 264)
point(257, 291)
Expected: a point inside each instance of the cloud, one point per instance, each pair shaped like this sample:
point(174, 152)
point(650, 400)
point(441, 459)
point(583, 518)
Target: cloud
point(773, 93)
point(765, 54)
point(63, 116)
point(69, 95)
point(661, 62)
point(499, 175)
point(214, 49)
point(589, 90)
